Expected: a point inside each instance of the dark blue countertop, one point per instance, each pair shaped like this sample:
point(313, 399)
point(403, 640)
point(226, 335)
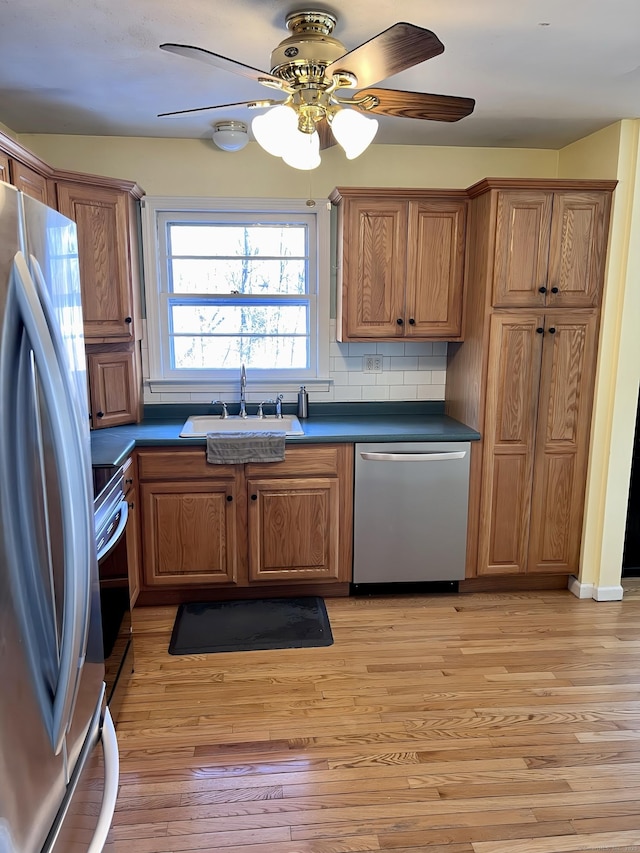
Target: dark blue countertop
point(327, 423)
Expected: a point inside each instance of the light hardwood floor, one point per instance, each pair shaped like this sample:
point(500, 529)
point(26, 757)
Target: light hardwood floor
point(476, 723)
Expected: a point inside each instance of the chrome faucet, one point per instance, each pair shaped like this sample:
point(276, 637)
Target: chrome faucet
point(243, 392)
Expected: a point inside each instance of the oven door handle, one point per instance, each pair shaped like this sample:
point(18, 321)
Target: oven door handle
point(113, 540)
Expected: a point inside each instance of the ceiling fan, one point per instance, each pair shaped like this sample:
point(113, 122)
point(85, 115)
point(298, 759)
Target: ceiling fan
point(311, 68)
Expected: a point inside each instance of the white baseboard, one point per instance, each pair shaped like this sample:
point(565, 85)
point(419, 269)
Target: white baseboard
point(598, 593)
point(608, 593)
point(580, 590)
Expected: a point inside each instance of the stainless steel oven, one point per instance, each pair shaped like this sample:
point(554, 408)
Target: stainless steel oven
point(111, 513)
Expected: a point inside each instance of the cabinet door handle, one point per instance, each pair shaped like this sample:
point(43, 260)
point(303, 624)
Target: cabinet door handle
point(127, 320)
point(100, 414)
point(254, 497)
point(412, 322)
point(555, 289)
point(229, 498)
point(552, 330)
point(542, 289)
point(540, 330)
point(400, 321)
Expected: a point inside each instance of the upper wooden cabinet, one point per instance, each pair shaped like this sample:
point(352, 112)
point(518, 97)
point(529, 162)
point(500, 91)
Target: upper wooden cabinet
point(30, 182)
point(549, 247)
point(4, 168)
point(400, 263)
point(106, 214)
point(107, 247)
point(25, 171)
point(114, 385)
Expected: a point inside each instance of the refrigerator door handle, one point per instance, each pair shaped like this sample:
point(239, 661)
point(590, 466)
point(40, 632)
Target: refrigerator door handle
point(111, 780)
point(71, 478)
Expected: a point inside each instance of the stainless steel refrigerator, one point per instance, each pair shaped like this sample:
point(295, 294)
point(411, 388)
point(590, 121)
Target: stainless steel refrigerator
point(58, 750)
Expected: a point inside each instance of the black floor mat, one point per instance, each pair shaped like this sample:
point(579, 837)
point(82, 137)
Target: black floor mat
point(242, 626)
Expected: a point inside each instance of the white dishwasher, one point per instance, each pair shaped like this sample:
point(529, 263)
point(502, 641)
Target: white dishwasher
point(410, 512)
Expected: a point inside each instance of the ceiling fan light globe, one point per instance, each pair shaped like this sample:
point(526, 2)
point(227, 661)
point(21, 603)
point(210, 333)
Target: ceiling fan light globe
point(274, 129)
point(353, 131)
point(303, 151)
point(230, 135)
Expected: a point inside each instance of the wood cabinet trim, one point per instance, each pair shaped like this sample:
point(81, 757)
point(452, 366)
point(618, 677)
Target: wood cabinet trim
point(339, 194)
point(487, 184)
point(99, 181)
point(18, 152)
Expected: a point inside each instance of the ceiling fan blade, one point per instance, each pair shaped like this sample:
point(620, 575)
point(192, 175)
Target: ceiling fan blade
point(252, 105)
point(393, 102)
point(223, 62)
point(327, 139)
point(400, 47)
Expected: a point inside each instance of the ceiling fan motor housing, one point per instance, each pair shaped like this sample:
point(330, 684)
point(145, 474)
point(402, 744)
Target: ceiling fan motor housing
point(301, 59)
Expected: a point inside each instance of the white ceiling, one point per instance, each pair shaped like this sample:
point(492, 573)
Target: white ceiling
point(543, 73)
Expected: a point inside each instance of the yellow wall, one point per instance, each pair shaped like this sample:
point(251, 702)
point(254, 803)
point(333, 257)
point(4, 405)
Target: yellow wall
point(595, 156)
point(613, 152)
point(195, 167)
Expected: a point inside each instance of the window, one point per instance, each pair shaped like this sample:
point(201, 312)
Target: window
point(227, 286)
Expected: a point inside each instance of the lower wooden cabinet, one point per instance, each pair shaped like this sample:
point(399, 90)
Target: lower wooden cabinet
point(538, 414)
point(190, 533)
point(246, 525)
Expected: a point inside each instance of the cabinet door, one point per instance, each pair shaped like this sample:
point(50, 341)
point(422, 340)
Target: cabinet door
point(31, 183)
point(523, 226)
point(4, 168)
point(103, 248)
point(113, 388)
point(515, 349)
point(293, 529)
point(189, 533)
point(577, 248)
point(374, 268)
point(435, 269)
point(564, 419)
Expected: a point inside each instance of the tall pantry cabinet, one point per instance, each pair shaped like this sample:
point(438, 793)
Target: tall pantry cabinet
point(525, 375)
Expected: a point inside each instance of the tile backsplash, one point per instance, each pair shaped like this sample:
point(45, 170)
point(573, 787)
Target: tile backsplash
point(410, 371)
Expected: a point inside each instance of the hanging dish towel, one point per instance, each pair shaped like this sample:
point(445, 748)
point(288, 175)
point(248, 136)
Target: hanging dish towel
point(236, 448)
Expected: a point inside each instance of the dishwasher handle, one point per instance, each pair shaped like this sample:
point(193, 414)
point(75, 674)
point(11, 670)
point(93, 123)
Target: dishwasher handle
point(413, 457)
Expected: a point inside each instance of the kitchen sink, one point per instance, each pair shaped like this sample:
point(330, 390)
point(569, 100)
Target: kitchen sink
point(197, 426)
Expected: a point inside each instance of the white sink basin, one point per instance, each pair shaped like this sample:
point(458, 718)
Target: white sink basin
point(198, 426)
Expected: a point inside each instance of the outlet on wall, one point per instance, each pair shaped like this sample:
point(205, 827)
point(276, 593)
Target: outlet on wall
point(372, 364)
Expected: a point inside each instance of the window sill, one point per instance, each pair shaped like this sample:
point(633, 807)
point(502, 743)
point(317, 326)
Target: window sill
point(255, 387)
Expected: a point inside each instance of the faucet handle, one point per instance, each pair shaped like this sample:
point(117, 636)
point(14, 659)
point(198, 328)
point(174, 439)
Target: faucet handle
point(260, 412)
point(224, 413)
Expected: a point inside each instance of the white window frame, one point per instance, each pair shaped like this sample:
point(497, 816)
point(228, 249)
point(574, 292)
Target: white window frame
point(155, 210)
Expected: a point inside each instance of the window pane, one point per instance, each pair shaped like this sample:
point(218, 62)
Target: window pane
point(207, 240)
point(215, 275)
point(239, 319)
point(217, 353)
